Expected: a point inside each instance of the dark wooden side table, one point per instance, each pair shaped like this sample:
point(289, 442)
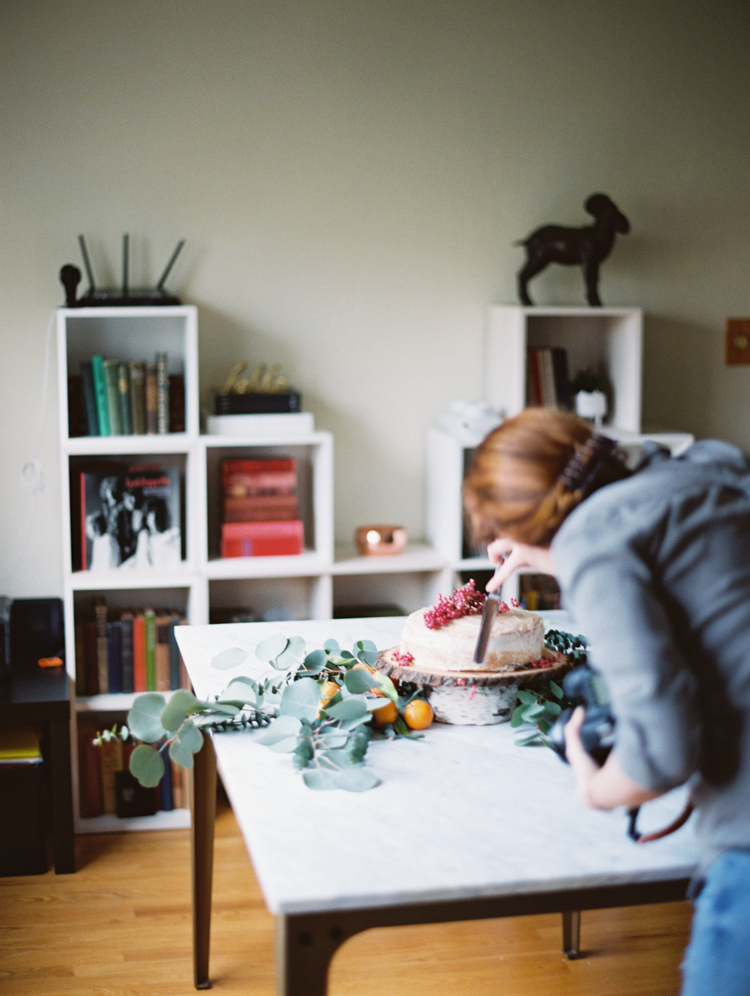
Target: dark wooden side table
point(41, 698)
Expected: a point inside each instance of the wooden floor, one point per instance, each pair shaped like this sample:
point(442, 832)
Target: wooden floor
point(121, 925)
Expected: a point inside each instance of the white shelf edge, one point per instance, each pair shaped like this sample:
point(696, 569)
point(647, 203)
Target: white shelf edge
point(124, 580)
point(214, 441)
point(179, 443)
point(172, 819)
point(305, 564)
point(418, 557)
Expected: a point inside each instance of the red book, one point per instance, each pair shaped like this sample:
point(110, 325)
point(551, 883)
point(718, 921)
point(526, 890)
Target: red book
point(139, 652)
point(89, 775)
point(535, 379)
point(253, 477)
point(260, 508)
point(262, 539)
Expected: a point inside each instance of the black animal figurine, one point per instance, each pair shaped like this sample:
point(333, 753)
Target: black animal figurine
point(585, 247)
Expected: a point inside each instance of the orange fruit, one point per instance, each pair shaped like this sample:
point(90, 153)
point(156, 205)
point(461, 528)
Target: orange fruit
point(418, 714)
point(388, 714)
point(328, 691)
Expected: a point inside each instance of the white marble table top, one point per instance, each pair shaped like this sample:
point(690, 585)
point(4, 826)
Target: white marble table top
point(462, 813)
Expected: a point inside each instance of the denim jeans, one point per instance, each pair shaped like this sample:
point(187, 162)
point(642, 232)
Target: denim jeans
point(717, 960)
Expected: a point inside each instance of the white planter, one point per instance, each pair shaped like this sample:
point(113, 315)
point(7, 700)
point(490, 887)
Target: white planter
point(591, 405)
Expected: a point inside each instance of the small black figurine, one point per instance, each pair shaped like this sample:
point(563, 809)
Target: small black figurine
point(585, 247)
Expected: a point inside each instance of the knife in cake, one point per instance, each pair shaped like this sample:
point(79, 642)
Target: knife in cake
point(489, 611)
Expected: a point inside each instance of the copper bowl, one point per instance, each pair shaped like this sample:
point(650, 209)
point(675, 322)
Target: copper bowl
point(380, 541)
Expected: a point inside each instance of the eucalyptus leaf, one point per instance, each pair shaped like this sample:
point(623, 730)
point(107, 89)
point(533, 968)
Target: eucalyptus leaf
point(357, 779)
point(272, 647)
point(180, 754)
point(321, 779)
point(144, 718)
point(366, 651)
point(279, 729)
point(181, 704)
point(301, 699)
point(360, 680)
point(147, 765)
point(295, 648)
point(230, 658)
point(332, 646)
point(316, 661)
point(285, 746)
point(189, 737)
point(347, 709)
point(227, 708)
point(332, 739)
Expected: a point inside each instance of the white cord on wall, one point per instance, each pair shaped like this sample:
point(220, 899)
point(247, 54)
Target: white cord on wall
point(32, 475)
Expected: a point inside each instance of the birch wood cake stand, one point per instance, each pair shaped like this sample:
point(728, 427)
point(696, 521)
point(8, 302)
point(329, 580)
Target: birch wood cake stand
point(472, 698)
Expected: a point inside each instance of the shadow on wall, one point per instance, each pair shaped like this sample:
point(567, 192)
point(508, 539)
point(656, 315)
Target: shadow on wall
point(224, 341)
point(679, 363)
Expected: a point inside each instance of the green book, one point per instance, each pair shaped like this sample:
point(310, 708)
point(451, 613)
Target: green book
point(150, 618)
point(138, 398)
point(123, 388)
point(100, 394)
point(113, 397)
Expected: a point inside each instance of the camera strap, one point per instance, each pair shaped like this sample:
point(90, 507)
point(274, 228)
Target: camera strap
point(646, 838)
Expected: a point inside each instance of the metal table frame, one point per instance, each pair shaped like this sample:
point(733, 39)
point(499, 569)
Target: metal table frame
point(306, 943)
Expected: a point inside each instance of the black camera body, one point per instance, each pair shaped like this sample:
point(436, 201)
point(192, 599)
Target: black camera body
point(598, 728)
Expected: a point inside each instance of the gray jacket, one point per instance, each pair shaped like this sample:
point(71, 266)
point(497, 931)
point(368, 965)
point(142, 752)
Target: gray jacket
point(655, 570)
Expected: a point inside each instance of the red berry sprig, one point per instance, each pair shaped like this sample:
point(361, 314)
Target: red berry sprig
point(466, 601)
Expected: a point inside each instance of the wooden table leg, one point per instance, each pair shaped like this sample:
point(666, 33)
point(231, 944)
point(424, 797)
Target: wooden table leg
point(203, 812)
point(571, 933)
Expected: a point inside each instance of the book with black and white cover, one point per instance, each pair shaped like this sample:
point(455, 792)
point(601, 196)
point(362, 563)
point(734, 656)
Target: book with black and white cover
point(130, 518)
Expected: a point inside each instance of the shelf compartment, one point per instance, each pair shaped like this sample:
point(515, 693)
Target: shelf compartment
point(314, 456)
point(129, 334)
point(173, 819)
point(177, 462)
point(610, 338)
point(294, 596)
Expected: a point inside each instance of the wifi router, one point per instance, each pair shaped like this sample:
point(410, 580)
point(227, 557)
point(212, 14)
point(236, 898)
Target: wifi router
point(70, 276)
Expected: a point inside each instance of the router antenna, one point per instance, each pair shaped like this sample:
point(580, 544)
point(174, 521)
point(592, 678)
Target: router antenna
point(125, 247)
point(86, 263)
point(170, 264)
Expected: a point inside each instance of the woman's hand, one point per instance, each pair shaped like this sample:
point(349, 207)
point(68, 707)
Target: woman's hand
point(510, 555)
point(605, 787)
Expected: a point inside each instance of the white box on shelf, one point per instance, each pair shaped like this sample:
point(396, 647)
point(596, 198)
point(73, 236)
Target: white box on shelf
point(274, 426)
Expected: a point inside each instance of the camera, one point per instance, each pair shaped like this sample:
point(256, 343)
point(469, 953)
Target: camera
point(598, 728)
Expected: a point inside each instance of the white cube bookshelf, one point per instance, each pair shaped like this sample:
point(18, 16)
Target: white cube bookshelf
point(609, 338)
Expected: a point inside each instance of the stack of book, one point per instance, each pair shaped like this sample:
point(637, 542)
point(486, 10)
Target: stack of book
point(260, 508)
point(128, 651)
point(113, 398)
point(107, 787)
point(548, 380)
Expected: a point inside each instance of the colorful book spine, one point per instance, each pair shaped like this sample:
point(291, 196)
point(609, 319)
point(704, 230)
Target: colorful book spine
point(100, 393)
point(163, 683)
point(262, 539)
point(113, 397)
point(139, 653)
point(90, 658)
point(89, 399)
point(89, 776)
point(150, 620)
point(152, 400)
point(126, 651)
point(123, 391)
point(114, 656)
point(162, 394)
point(138, 398)
point(102, 645)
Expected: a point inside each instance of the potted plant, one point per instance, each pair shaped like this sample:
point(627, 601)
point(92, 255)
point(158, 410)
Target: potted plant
point(589, 390)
